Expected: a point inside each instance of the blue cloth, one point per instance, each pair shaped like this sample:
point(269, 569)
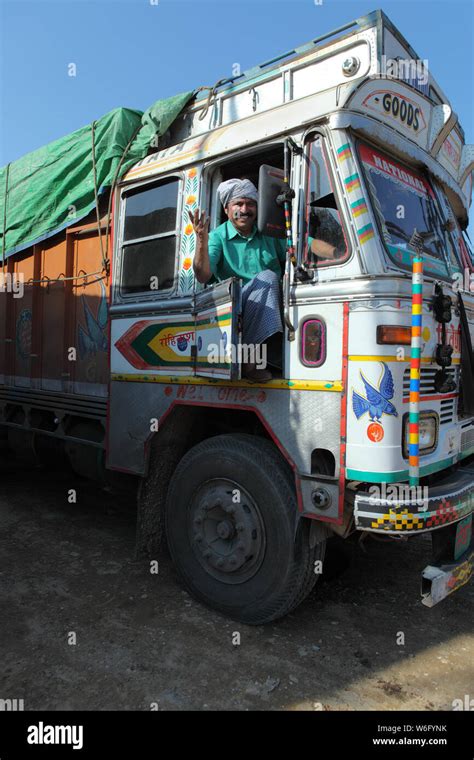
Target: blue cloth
point(261, 307)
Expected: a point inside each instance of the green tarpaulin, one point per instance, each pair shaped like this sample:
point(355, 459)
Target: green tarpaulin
point(53, 187)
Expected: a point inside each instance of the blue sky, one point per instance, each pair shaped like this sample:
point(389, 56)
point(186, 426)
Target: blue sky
point(132, 52)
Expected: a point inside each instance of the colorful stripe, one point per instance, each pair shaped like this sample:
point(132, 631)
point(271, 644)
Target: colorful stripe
point(410, 514)
point(352, 182)
point(415, 361)
point(344, 152)
point(366, 233)
point(289, 235)
point(359, 207)
point(388, 358)
point(280, 384)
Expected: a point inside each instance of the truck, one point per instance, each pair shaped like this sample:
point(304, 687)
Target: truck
point(106, 355)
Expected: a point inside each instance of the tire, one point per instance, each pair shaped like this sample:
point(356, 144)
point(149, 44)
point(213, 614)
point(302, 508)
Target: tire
point(230, 522)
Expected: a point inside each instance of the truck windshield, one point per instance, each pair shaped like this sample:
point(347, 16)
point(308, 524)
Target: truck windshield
point(403, 200)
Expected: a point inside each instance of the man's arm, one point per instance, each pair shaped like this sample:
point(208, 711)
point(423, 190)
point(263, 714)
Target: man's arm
point(201, 263)
point(317, 247)
point(322, 249)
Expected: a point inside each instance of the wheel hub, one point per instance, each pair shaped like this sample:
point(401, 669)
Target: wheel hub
point(226, 531)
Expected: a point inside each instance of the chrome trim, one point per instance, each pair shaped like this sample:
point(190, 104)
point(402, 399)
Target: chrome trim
point(165, 306)
point(388, 137)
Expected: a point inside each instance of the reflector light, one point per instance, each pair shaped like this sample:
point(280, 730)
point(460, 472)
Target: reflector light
point(393, 335)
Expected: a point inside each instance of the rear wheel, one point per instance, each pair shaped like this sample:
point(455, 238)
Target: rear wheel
point(230, 524)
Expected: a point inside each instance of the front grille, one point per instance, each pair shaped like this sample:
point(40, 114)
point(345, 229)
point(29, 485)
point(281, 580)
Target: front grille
point(446, 413)
point(427, 388)
point(427, 376)
point(467, 439)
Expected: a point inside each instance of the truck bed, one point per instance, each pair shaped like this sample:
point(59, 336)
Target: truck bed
point(54, 337)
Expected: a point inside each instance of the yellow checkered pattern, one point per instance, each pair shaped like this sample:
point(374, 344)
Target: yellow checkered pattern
point(399, 520)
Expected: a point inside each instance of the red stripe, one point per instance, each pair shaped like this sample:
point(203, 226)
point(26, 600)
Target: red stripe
point(265, 423)
point(343, 425)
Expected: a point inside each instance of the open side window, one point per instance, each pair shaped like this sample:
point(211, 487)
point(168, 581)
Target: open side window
point(217, 309)
point(245, 166)
point(148, 261)
point(323, 238)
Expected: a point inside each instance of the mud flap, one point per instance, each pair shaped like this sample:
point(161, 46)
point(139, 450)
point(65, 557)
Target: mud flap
point(440, 580)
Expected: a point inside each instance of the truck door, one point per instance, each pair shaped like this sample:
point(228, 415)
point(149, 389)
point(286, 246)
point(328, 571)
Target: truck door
point(217, 317)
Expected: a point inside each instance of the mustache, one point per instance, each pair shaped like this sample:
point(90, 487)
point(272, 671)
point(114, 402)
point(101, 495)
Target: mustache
point(242, 215)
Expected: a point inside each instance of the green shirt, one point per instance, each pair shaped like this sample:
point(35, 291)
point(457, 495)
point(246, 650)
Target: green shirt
point(233, 255)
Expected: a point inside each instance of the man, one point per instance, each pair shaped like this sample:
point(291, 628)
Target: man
point(237, 249)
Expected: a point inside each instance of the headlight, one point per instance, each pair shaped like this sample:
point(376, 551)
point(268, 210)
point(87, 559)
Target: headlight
point(428, 433)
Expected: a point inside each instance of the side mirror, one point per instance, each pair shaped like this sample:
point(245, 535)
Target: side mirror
point(271, 212)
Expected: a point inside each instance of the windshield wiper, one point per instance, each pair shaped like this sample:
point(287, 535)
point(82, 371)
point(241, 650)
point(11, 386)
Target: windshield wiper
point(427, 237)
point(399, 231)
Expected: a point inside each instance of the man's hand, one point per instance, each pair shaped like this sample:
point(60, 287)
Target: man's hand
point(201, 265)
point(200, 223)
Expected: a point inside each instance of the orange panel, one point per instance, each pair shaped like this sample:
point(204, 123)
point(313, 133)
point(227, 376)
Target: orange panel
point(23, 322)
point(90, 336)
point(59, 328)
point(53, 305)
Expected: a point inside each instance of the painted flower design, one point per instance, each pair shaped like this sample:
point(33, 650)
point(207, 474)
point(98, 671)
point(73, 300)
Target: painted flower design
point(192, 173)
point(188, 229)
point(191, 200)
point(187, 263)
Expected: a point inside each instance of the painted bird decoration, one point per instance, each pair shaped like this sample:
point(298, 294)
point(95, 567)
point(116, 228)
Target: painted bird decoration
point(95, 338)
point(378, 401)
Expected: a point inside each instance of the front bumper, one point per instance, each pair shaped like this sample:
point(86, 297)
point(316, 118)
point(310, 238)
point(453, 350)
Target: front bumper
point(452, 499)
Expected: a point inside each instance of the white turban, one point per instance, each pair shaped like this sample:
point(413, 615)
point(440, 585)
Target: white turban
point(236, 188)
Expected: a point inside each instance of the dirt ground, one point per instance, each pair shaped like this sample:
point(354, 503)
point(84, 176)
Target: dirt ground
point(141, 641)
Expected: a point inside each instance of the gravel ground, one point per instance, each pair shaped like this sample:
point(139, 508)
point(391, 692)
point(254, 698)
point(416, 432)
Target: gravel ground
point(87, 626)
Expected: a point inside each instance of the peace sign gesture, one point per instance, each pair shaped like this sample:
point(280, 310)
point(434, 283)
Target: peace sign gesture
point(200, 223)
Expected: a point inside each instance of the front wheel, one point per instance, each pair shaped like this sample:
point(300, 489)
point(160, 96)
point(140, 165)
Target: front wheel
point(230, 524)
